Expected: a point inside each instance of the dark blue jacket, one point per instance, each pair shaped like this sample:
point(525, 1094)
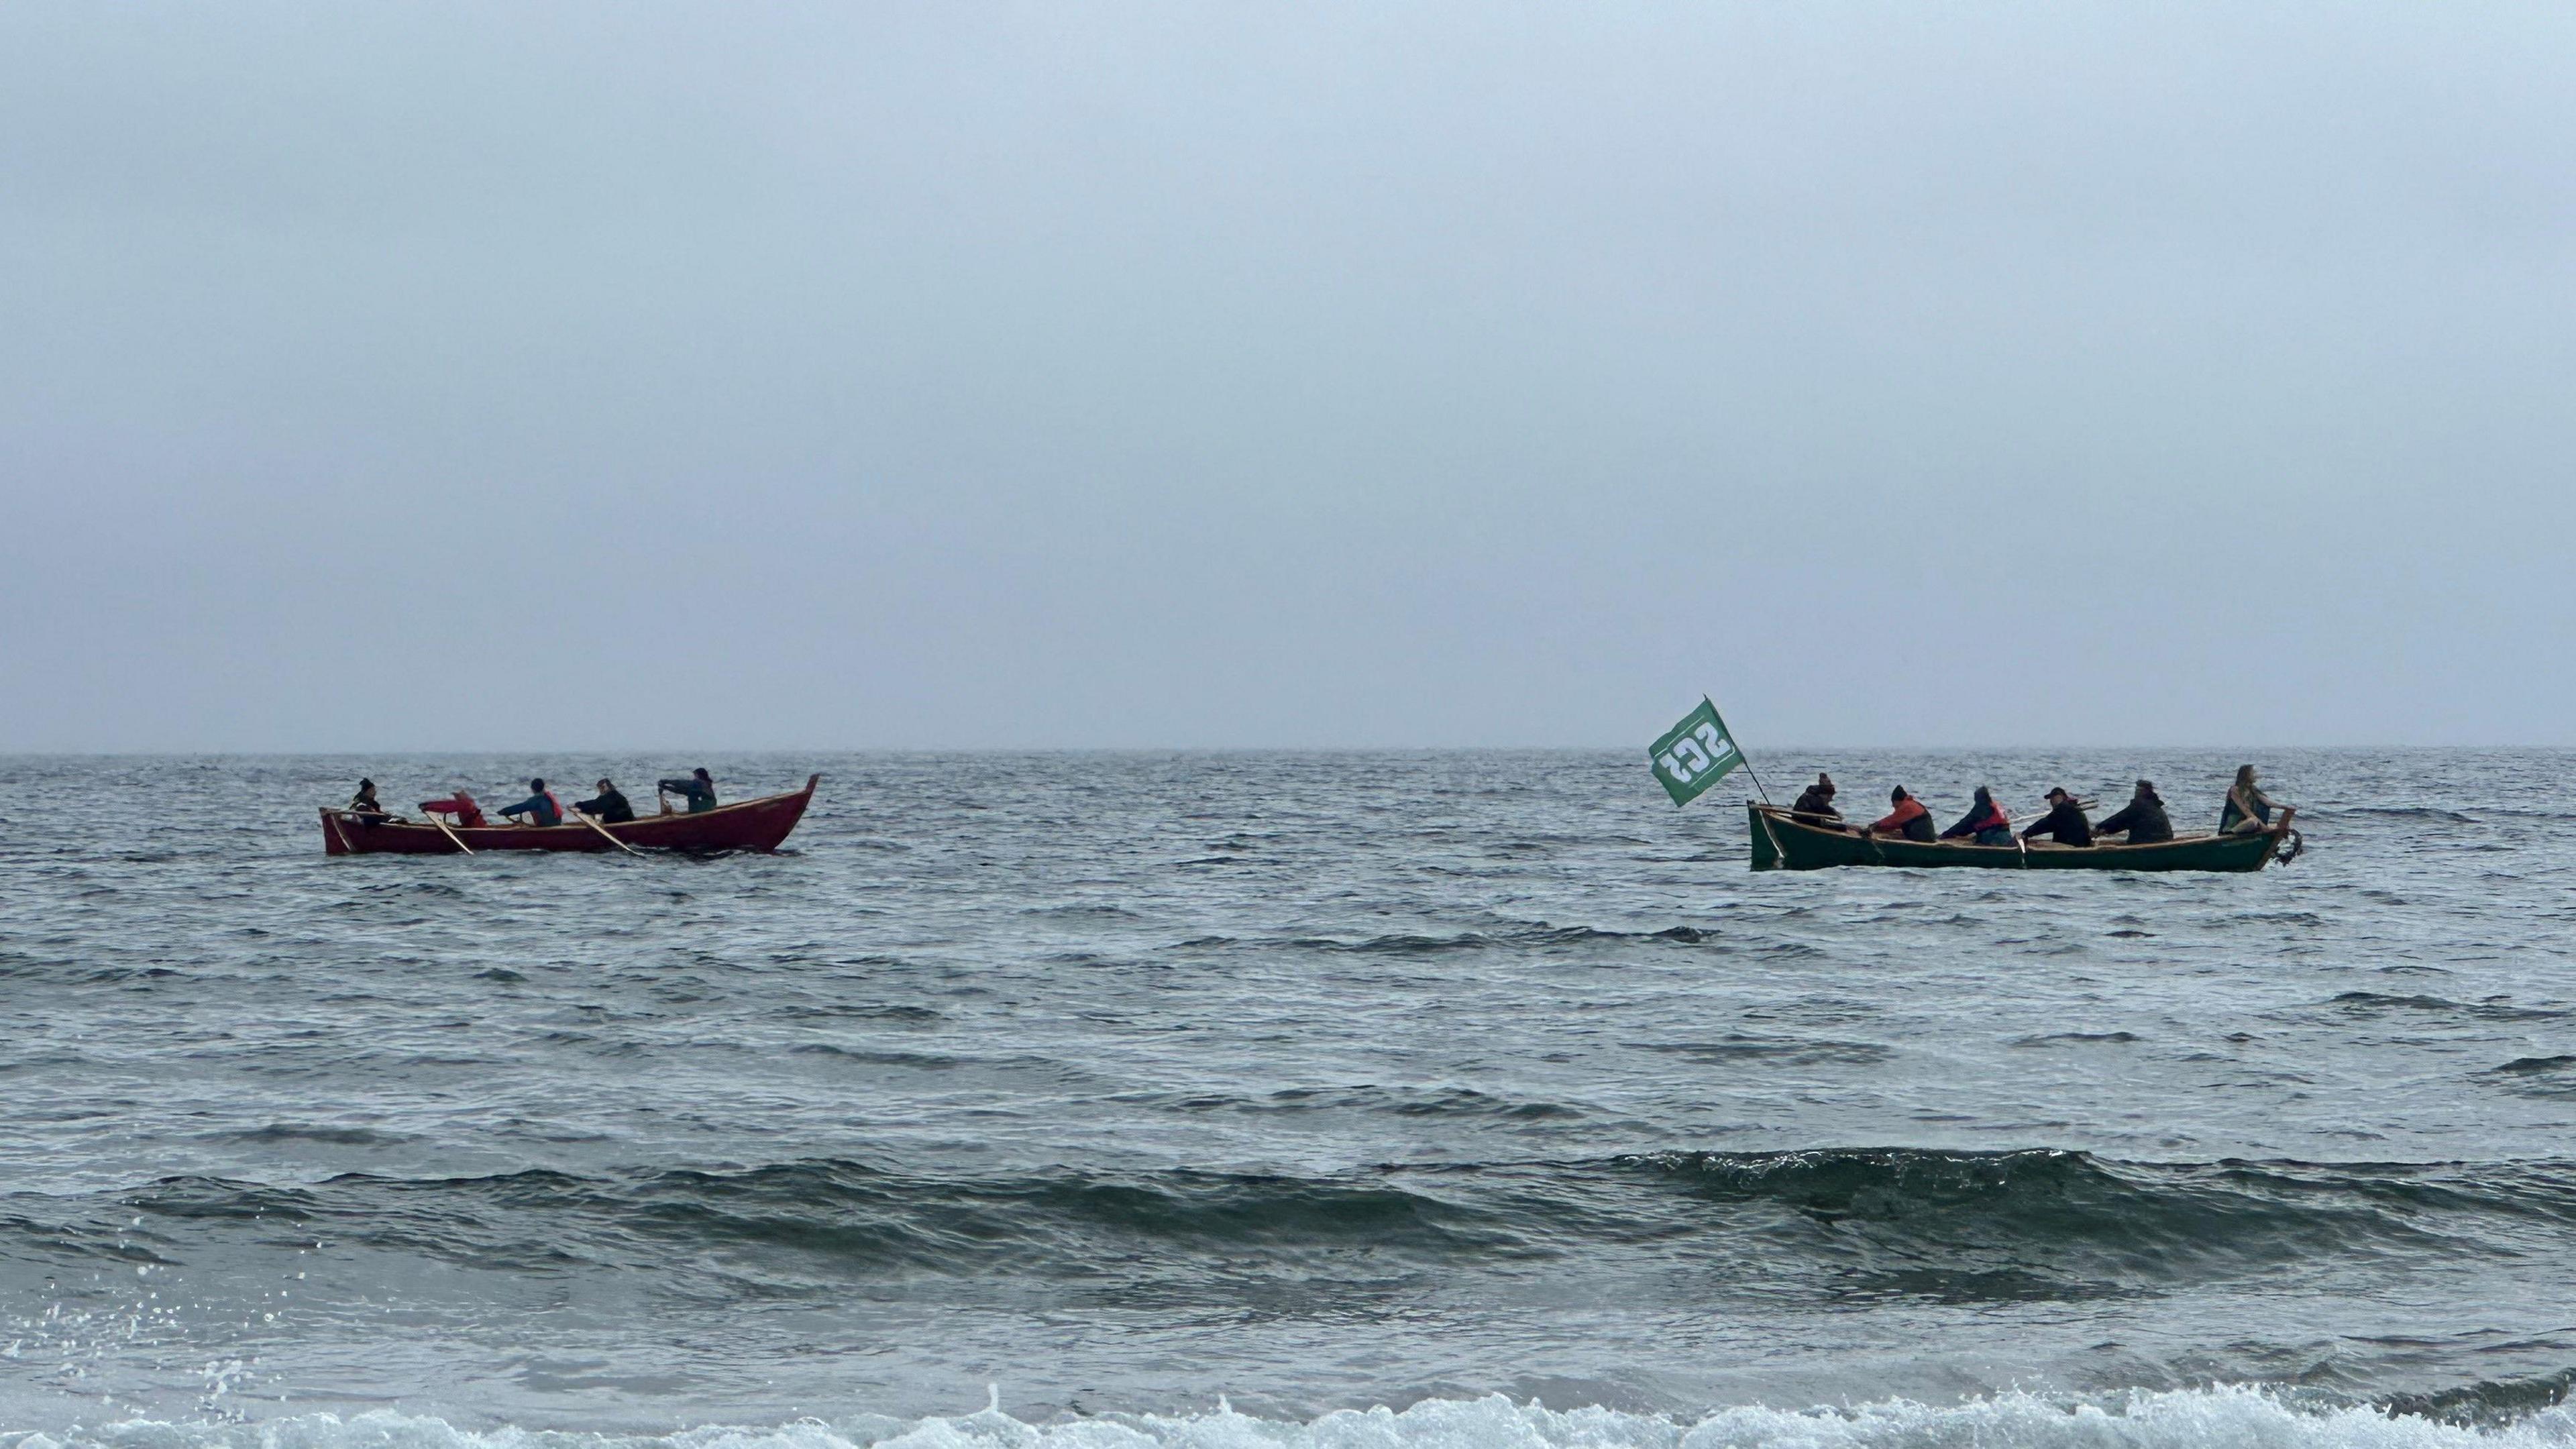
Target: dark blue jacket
point(541, 806)
point(1980, 818)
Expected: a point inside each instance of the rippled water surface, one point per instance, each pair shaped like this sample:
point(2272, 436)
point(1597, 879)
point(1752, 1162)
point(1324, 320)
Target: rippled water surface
point(1318, 1081)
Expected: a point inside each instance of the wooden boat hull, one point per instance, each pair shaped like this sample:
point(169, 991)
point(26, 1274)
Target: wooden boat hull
point(749, 825)
point(1782, 843)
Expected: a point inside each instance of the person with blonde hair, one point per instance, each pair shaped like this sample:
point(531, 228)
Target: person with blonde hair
point(2248, 809)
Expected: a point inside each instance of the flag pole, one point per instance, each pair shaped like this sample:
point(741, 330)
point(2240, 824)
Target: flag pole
point(1757, 778)
point(1763, 820)
point(1740, 754)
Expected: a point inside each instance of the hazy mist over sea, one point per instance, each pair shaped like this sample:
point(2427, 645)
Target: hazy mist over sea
point(835, 376)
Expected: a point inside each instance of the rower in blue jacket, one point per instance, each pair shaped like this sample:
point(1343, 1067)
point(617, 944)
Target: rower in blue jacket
point(541, 806)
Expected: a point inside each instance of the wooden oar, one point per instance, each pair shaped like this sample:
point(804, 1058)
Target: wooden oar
point(453, 838)
point(579, 814)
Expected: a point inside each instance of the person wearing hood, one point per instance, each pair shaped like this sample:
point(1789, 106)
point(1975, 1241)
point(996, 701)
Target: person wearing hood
point(1984, 824)
point(2143, 817)
point(2064, 822)
point(1908, 818)
point(1816, 803)
point(541, 806)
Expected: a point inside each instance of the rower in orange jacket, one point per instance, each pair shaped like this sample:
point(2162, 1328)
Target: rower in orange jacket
point(1908, 819)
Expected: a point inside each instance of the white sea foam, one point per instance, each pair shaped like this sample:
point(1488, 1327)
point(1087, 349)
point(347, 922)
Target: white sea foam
point(2224, 1418)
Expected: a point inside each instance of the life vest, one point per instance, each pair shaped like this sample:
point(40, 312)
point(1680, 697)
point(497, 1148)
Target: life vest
point(558, 804)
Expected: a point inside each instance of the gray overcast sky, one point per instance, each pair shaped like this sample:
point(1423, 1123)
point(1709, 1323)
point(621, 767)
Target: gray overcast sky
point(453, 376)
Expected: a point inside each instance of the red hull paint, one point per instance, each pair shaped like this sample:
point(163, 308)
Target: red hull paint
point(751, 825)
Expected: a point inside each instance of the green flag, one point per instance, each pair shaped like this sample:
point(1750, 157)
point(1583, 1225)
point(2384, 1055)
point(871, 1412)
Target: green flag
point(1694, 754)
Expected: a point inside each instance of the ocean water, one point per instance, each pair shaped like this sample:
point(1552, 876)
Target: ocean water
point(1228, 1099)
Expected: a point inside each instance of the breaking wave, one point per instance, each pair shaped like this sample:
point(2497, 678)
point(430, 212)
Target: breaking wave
point(2177, 1419)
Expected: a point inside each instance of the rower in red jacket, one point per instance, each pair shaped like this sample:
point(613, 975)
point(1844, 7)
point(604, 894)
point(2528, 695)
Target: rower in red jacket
point(460, 805)
point(1908, 819)
point(1985, 823)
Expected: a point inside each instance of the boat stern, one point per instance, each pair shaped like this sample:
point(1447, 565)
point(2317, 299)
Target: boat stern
point(1766, 849)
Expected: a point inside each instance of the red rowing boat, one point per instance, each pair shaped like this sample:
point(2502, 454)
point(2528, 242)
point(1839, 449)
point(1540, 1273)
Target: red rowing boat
point(750, 825)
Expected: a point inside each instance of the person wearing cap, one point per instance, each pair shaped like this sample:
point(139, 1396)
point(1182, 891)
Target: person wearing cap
point(1984, 824)
point(2064, 822)
point(1816, 803)
point(2143, 817)
point(541, 807)
point(608, 805)
point(1908, 818)
point(697, 787)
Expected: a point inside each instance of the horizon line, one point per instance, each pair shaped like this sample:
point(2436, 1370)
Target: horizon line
point(1236, 749)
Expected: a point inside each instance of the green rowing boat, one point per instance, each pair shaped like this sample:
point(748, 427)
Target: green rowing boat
point(1781, 842)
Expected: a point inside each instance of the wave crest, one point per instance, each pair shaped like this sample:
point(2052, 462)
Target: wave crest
point(2175, 1419)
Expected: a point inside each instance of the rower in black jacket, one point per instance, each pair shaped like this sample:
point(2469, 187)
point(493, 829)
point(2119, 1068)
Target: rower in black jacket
point(2143, 817)
point(1816, 803)
point(608, 805)
point(2064, 822)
